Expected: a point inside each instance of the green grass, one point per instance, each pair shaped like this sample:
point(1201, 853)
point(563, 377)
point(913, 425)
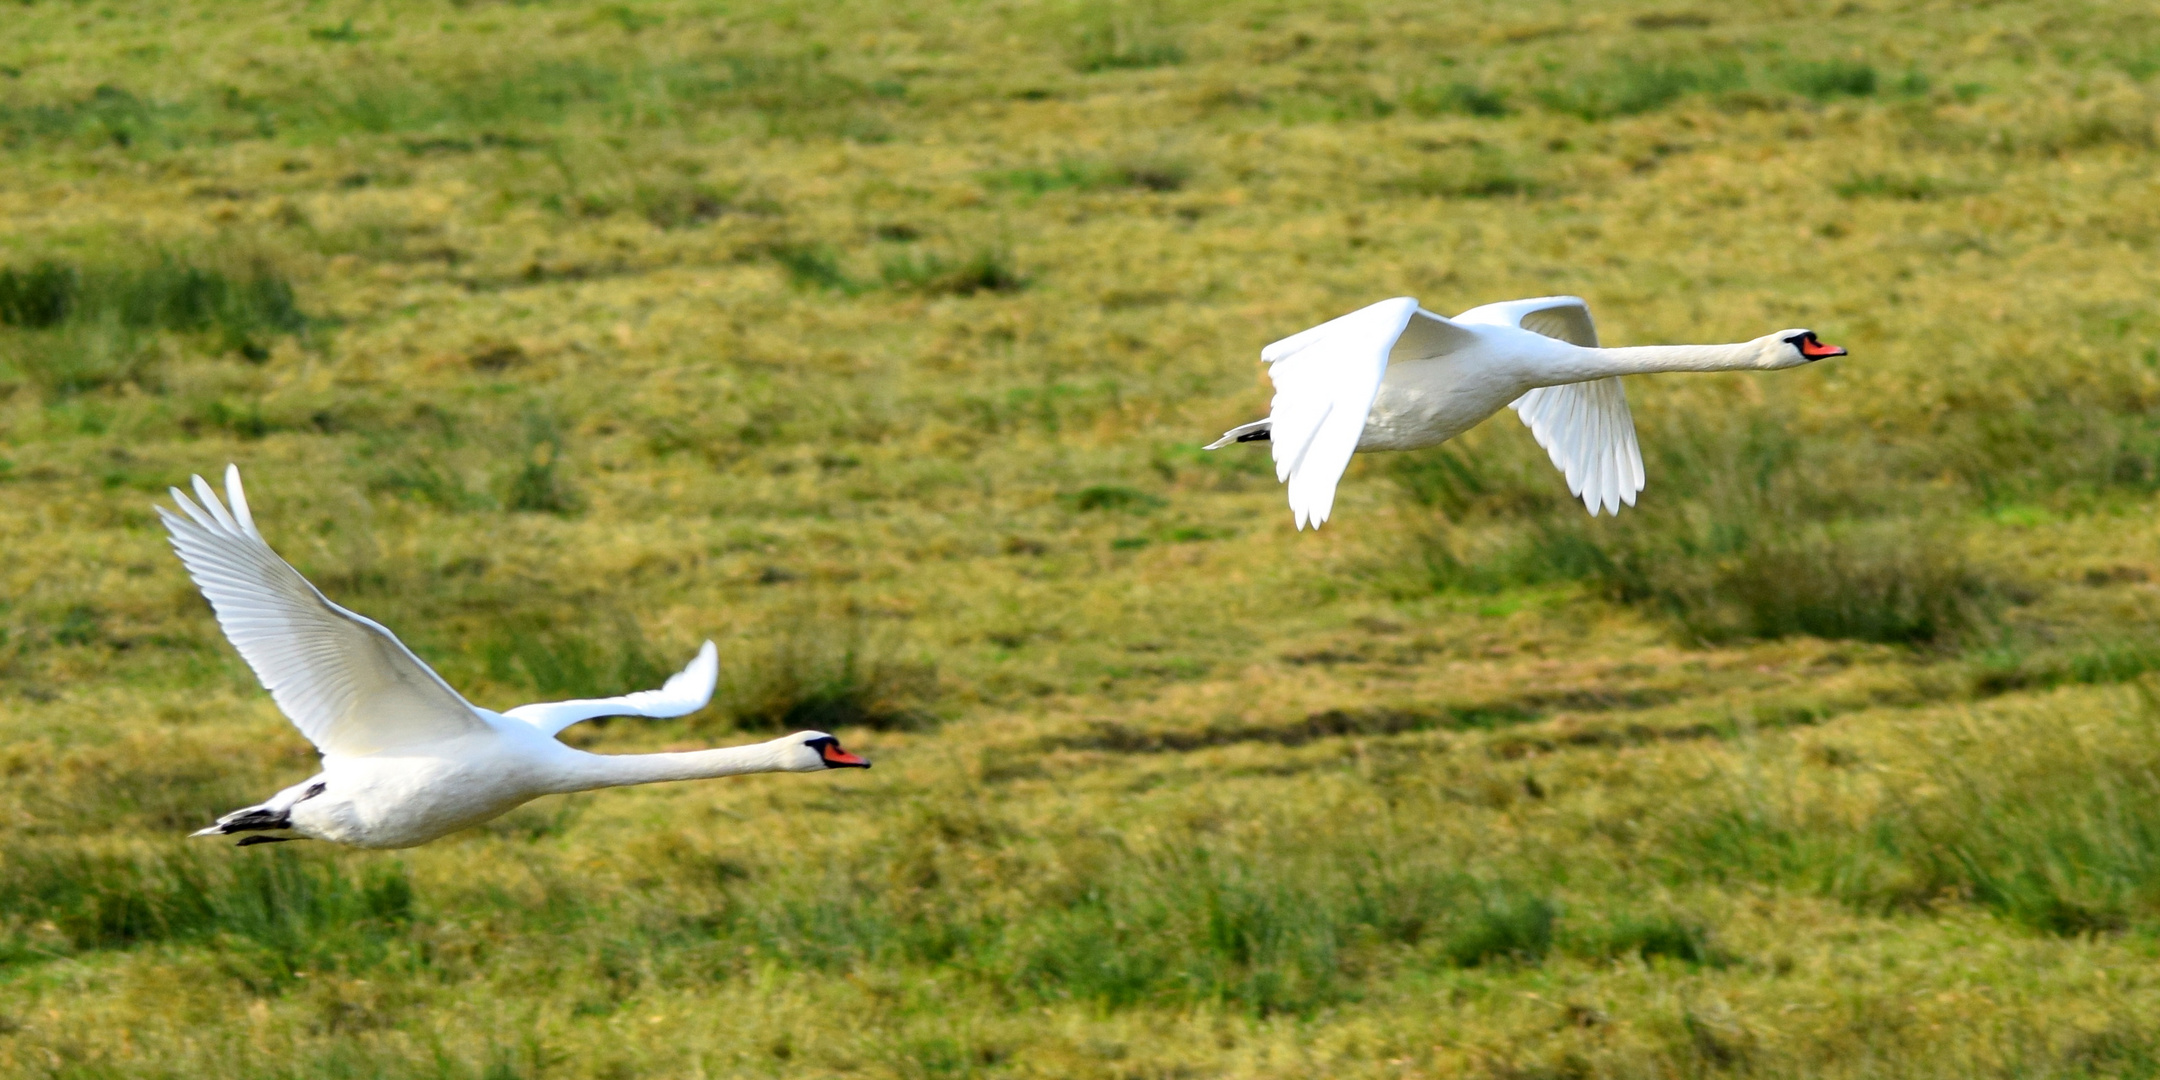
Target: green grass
point(877, 345)
point(92, 321)
point(1092, 176)
point(1629, 88)
point(1467, 98)
point(1829, 79)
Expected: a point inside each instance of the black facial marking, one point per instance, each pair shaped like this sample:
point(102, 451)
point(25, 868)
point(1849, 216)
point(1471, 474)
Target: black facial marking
point(265, 840)
point(1255, 436)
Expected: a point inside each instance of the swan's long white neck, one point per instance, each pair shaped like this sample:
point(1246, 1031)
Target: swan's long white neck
point(588, 771)
point(1586, 364)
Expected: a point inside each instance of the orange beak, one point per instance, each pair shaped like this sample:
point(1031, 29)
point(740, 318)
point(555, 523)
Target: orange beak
point(836, 758)
point(1816, 350)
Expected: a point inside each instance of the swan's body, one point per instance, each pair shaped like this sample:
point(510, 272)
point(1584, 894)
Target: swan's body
point(405, 759)
point(1394, 376)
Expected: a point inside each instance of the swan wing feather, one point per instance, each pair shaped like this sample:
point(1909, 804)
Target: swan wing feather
point(684, 693)
point(1589, 433)
point(1325, 381)
point(1566, 318)
point(1585, 428)
point(343, 679)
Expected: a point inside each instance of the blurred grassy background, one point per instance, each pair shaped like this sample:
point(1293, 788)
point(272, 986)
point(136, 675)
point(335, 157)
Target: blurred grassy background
point(877, 342)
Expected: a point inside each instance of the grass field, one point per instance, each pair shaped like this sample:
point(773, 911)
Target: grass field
point(877, 341)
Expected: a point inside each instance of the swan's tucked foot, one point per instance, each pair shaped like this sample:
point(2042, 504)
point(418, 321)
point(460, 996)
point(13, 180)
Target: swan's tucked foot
point(272, 816)
point(256, 820)
point(1257, 431)
point(252, 819)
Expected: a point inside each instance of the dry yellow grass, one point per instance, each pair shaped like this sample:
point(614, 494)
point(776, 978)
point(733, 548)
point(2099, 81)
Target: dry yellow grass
point(877, 344)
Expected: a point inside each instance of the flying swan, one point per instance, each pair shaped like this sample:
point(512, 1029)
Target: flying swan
point(1394, 376)
point(405, 759)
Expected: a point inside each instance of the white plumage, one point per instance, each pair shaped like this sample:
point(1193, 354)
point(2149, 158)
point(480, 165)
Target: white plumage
point(344, 680)
point(406, 758)
point(1393, 376)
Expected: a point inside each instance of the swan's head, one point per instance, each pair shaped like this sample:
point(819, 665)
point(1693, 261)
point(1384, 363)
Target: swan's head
point(810, 751)
point(1796, 347)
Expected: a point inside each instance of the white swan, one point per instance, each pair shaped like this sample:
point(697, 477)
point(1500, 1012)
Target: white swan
point(1394, 376)
point(405, 759)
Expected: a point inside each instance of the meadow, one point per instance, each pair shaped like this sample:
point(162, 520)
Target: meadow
point(877, 343)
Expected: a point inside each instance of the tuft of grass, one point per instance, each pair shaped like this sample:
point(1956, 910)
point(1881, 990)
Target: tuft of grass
point(679, 205)
point(1083, 175)
point(1465, 478)
point(536, 487)
point(814, 266)
point(89, 328)
point(412, 476)
point(109, 115)
point(1124, 40)
point(1828, 79)
point(236, 312)
point(667, 203)
point(1465, 98)
point(38, 297)
point(1478, 176)
point(1911, 188)
point(82, 357)
point(561, 664)
point(342, 33)
point(1113, 497)
point(1505, 924)
point(1630, 88)
point(2009, 667)
point(1672, 20)
point(828, 673)
point(1650, 937)
point(989, 269)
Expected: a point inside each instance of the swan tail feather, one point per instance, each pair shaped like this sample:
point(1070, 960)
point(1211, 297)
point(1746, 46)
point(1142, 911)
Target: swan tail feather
point(252, 819)
point(1257, 431)
point(272, 816)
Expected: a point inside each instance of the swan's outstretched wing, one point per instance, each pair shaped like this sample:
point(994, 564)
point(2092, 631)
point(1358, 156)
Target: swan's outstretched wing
point(685, 693)
point(1585, 427)
point(1588, 432)
point(1325, 381)
point(1566, 318)
point(347, 683)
